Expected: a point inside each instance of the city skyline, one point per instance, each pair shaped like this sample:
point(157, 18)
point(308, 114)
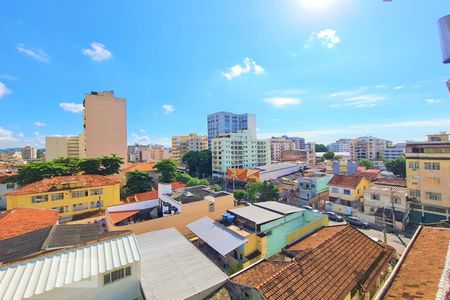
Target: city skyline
point(174, 71)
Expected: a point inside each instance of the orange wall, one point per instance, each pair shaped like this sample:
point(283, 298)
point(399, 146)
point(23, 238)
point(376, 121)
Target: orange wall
point(190, 213)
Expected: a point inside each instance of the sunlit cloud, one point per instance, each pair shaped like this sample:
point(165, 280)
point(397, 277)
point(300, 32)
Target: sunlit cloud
point(72, 107)
point(237, 70)
point(36, 54)
point(4, 90)
point(97, 52)
point(282, 102)
point(432, 101)
point(168, 108)
point(327, 38)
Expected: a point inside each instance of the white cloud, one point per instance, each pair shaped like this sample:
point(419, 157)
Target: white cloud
point(36, 54)
point(357, 98)
point(6, 136)
point(399, 87)
point(432, 101)
point(7, 77)
point(282, 102)
point(168, 108)
point(72, 107)
point(97, 52)
point(39, 124)
point(248, 66)
point(142, 130)
point(327, 38)
point(4, 90)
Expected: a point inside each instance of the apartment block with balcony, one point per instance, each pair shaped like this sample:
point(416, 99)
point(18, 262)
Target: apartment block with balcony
point(182, 144)
point(70, 195)
point(63, 146)
point(238, 151)
point(368, 147)
point(428, 179)
point(342, 145)
point(278, 145)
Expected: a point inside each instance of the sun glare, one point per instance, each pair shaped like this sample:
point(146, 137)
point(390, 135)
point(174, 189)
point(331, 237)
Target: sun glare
point(316, 4)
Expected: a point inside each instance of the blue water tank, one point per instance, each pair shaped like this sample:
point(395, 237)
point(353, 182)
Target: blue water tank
point(225, 217)
point(230, 218)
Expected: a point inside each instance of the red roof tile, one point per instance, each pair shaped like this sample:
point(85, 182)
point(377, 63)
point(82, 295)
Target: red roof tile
point(49, 184)
point(330, 270)
point(420, 273)
point(345, 181)
point(117, 216)
point(146, 196)
point(22, 220)
point(141, 166)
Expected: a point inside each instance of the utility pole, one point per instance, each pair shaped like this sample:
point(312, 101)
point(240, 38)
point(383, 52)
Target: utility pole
point(393, 209)
point(384, 228)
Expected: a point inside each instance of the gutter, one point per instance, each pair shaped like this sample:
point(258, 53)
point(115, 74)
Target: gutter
point(383, 291)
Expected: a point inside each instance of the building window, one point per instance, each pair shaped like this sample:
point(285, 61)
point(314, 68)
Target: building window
point(116, 275)
point(335, 190)
point(96, 204)
point(10, 186)
point(58, 196)
point(433, 180)
point(62, 209)
point(432, 166)
point(80, 194)
point(80, 206)
point(346, 192)
point(375, 196)
point(39, 199)
point(413, 165)
point(96, 192)
point(414, 193)
point(434, 196)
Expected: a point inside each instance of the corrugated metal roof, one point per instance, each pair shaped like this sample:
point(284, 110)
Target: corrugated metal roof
point(256, 214)
point(278, 207)
point(216, 235)
point(173, 268)
point(57, 269)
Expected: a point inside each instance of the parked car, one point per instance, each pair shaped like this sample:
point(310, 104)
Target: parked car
point(334, 217)
point(357, 222)
point(307, 207)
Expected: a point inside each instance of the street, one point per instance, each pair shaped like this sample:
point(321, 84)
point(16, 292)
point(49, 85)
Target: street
point(392, 240)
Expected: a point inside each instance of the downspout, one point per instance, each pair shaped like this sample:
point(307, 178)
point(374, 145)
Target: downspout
point(390, 280)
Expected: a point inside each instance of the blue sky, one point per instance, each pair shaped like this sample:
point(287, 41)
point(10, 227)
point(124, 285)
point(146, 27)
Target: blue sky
point(322, 69)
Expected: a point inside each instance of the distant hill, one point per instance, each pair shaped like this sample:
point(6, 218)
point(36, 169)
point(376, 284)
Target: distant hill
point(10, 150)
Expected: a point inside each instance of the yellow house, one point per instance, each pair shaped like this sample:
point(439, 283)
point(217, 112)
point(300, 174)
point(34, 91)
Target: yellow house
point(70, 195)
point(428, 179)
point(347, 189)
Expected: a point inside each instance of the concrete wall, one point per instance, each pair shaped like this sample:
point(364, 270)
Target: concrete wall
point(191, 212)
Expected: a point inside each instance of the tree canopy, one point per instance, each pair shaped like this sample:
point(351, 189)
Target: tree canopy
point(168, 170)
point(198, 163)
point(365, 163)
point(397, 166)
point(328, 155)
point(36, 171)
point(321, 148)
point(240, 195)
point(138, 182)
point(261, 191)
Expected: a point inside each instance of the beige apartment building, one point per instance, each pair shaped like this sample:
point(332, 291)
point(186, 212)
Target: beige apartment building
point(428, 178)
point(147, 153)
point(64, 146)
point(105, 124)
point(181, 144)
point(368, 147)
point(278, 145)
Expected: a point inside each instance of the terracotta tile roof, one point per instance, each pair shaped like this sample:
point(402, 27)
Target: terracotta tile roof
point(391, 182)
point(141, 166)
point(22, 220)
point(117, 216)
point(4, 175)
point(420, 273)
point(369, 174)
point(331, 270)
point(345, 181)
point(146, 196)
point(49, 184)
point(178, 185)
point(317, 238)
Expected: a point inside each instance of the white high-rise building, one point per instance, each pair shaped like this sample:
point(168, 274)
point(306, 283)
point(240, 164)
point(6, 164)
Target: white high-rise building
point(226, 122)
point(238, 151)
point(342, 145)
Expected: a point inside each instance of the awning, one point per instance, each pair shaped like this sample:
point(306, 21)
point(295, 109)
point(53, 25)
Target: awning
point(118, 216)
point(217, 236)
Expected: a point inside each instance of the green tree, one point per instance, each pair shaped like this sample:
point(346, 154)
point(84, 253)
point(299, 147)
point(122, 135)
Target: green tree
point(90, 166)
point(216, 187)
point(168, 170)
point(365, 163)
point(198, 163)
point(253, 191)
point(397, 166)
point(39, 170)
point(183, 177)
point(72, 163)
point(197, 181)
point(261, 191)
point(106, 165)
point(321, 148)
point(138, 182)
point(328, 155)
point(240, 195)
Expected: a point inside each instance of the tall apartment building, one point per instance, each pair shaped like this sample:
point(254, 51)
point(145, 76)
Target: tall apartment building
point(105, 124)
point(428, 179)
point(299, 143)
point(278, 145)
point(29, 152)
point(64, 146)
point(368, 147)
point(145, 153)
point(238, 151)
point(341, 145)
point(395, 152)
point(226, 122)
point(181, 144)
